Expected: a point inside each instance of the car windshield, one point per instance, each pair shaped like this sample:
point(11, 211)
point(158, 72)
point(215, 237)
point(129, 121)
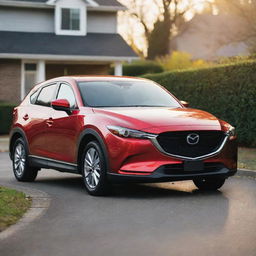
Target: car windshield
point(132, 93)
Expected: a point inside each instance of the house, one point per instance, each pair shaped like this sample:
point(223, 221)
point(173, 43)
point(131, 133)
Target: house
point(42, 39)
point(209, 37)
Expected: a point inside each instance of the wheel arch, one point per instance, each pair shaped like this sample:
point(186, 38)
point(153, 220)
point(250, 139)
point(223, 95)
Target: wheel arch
point(85, 137)
point(15, 134)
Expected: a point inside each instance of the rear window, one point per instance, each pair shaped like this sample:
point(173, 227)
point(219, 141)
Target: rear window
point(46, 95)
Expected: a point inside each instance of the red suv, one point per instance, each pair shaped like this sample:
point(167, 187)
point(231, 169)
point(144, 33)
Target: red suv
point(115, 129)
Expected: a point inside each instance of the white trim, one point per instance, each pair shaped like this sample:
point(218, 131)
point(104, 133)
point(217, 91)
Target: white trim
point(66, 57)
point(92, 3)
point(40, 71)
point(118, 70)
point(51, 2)
point(83, 19)
point(22, 85)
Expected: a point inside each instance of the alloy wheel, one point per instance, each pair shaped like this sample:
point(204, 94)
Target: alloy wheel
point(92, 169)
point(19, 159)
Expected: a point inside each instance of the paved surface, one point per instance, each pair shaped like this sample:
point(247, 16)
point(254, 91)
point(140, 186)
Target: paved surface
point(164, 219)
point(4, 143)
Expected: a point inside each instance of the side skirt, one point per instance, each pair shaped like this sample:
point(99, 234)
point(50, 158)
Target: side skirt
point(48, 163)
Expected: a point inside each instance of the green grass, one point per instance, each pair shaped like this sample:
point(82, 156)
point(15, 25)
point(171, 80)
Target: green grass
point(247, 158)
point(13, 205)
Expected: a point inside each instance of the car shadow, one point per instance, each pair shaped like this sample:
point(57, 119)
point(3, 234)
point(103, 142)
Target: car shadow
point(130, 190)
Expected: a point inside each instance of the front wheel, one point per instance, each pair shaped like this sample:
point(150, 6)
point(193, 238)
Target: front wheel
point(21, 169)
point(209, 184)
point(94, 169)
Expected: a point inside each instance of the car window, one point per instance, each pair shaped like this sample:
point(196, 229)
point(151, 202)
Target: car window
point(33, 97)
point(66, 92)
point(46, 95)
point(122, 93)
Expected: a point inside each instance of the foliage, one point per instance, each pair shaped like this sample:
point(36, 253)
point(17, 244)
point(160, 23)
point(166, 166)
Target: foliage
point(227, 91)
point(245, 13)
point(181, 60)
point(13, 205)
point(159, 39)
point(6, 110)
point(156, 22)
point(140, 68)
point(246, 158)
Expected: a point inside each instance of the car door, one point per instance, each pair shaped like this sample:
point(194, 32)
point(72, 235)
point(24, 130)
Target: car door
point(62, 134)
point(38, 114)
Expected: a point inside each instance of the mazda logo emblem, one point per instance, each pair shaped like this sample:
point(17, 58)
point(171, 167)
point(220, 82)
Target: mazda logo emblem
point(192, 139)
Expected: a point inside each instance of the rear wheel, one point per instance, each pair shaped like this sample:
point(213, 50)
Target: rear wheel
point(21, 169)
point(209, 184)
point(94, 169)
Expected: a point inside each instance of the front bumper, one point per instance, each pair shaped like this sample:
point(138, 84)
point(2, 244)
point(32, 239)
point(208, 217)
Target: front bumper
point(164, 174)
point(135, 157)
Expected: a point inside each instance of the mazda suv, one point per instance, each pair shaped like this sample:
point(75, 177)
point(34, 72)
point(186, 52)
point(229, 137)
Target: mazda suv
point(119, 129)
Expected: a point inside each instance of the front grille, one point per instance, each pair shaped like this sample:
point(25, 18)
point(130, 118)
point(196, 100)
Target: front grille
point(175, 143)
point(176, 169)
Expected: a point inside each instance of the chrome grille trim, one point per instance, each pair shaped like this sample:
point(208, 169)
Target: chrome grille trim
point(216, 152)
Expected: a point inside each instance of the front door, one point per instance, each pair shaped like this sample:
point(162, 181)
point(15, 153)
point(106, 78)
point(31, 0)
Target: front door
point(62, 134)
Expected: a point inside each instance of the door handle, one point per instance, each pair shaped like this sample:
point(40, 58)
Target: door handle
point(26, 117)
point(49, 122)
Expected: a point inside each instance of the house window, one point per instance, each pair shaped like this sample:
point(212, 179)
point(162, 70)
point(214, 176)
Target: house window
point(70, 19)
point(30, 75)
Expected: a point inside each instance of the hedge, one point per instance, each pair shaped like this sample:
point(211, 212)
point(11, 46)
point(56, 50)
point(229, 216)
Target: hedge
point(140, 68)
point(227, 91)
point(6, 110)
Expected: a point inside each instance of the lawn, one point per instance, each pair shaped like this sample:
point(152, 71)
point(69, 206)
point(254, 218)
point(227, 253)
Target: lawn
point(13, 205)
point(247, 158)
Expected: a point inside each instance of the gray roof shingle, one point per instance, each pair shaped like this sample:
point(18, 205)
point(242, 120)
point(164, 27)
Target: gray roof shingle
point(93, 44)
point(108, 2)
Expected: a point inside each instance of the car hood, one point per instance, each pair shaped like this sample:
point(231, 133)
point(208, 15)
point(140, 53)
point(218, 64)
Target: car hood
point(161, 119)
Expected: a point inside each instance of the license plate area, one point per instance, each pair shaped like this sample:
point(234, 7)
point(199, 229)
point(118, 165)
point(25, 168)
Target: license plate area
point(193, 166)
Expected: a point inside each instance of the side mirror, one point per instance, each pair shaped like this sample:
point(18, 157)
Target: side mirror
point(61, 105)
point(184, 103)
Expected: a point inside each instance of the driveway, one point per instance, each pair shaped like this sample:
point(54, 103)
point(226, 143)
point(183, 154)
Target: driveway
point(164, 219)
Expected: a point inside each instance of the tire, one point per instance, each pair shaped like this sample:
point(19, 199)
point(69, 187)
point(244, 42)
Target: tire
point(94, 170)
point(21, 169)
point(209, 184)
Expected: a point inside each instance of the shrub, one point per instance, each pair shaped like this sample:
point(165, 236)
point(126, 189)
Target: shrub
point(227, 91)
point(181, 60)
point(6, 110)
point(140, 68)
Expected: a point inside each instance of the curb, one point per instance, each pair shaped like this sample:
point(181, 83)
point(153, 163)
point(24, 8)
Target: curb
point(246, 173)
point(40, 204)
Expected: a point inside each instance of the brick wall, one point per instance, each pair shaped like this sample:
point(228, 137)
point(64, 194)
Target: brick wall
point(10, 80)
point(55, 70)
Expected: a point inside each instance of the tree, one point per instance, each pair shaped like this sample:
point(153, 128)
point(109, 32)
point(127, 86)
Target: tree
point(245, 11)
point(160, 20)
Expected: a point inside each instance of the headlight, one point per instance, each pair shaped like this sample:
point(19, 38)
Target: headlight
point(231, 131)
point(129, 133)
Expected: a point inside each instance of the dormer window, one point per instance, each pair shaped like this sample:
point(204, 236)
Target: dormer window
point(70, 19)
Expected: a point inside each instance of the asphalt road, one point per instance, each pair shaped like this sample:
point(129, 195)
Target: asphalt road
point(163, 219)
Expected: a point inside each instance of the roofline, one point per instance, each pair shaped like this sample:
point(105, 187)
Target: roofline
point(25, 4)
point(66, 57)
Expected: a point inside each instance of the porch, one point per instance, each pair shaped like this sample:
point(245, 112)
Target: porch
point(36, 71)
